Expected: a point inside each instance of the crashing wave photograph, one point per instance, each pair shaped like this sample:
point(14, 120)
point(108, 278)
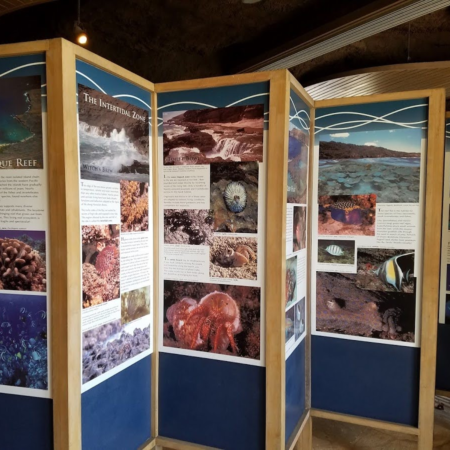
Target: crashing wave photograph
point(231, 134)
point(113, 137)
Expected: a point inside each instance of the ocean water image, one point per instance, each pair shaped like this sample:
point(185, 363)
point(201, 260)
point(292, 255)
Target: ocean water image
point(231, 134)
point(23, 341)
point(113, 139)
point(297, 179)
point(21, 123)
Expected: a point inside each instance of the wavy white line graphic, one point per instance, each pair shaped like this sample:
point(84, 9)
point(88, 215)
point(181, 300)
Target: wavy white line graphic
point(187, 103)
point(132, 96)
point(91, 80)
point(301, 121)
point(21, 67)
point(246, 98)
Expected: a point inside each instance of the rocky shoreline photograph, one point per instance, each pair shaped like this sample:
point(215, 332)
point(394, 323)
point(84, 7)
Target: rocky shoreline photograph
point(21, 145)
point(113, 138)
point(204, 136)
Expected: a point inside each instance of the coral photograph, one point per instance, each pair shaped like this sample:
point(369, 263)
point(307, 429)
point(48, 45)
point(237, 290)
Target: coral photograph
point(212, 318)
point(135, 304)
point(23, 341)
point(23, 261)
point(234, 197)
point(111, 345)
point(101, 263)
point(232, 257)
point(344, 308)
point(291, 281)
point(336, 251)
point(290, 324)
point(352, 215)
point(133, 206)
point(114, 138)
point(205, 136)
point(300, 318)
point(384, 162)
point(21, 123)
point(385, 270)
point(299, 235)
point(297, 179)
point(188, 226)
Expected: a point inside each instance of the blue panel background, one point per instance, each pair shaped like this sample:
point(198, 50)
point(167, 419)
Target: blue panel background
point(443, 358)
point(295, 388)
point(211, 402)
point(376, 381)
point(116, 413)
point(25, 423)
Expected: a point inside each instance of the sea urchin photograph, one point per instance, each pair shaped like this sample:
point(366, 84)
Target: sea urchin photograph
point(336, 251)
point(214, 318)
point(188, 226)
point(234, 197)
point(133, 206)
point(101, 263)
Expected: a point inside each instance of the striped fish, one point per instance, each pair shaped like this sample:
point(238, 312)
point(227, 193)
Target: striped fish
point(396, 269)
point(346, 206)
point(334, 250)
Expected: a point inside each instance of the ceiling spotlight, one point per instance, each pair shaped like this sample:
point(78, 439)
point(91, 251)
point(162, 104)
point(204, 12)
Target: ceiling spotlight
point(80, 34)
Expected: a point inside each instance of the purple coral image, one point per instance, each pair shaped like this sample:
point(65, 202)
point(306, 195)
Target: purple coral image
point(213, 318)
point(101, 263)
point(133, 205)
point(23, 261)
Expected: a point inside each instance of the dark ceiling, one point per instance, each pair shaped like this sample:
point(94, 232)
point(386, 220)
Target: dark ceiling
point(166, 40)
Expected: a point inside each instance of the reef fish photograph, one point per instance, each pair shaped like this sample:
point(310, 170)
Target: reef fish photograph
point(21, 123)
point(342, 307)
point(133, 206)
point(23, 261)
point(101, 263)
point(204, 136)
point(188, 226)
point(352, 215)
point(299, 232)
point(113, 138)
point(113, 344)
point(297, 177)
point(291, 281)
point(135, 304)
point(385, 163)
point(213, 318)
point(336, 251)
point(23, 341)
point(234, 197)
point(234, 257)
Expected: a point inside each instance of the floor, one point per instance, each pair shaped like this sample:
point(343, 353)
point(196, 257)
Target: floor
point(330, 435)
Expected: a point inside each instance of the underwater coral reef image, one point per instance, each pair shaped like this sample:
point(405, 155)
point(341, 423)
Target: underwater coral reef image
point(300, 318)
point(336, 251)
point(385, 270)
point(133, 206)
point(23, 261)
point(299, 232)
point(23, 341)
point(297, 177)
point(101, 263)
point(214, 318)
point(204, 136)
point(352, 215)
point(234, 257)
point(113, 344)
point(289, 324)
point(21, 123)
point(234, 197)
point(135, 304)
point(188, 226)
point(114, 138)
point(344, 308)
point(291, 281)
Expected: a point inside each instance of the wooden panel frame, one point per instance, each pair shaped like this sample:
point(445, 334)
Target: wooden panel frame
point(431, 264)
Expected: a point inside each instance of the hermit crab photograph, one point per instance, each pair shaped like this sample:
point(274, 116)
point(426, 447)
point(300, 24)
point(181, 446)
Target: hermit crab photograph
point(101, 263)
point(336, 251)
point(213, 318)
point(234, 257)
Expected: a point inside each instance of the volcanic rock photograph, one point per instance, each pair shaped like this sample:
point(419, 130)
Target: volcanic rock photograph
point(297, 179)
point(133, 206)
point(234, 257)
point(101, 263)
point(188, 226)
point(21, 123)
point(204, 136)
point(342, 307)
point(23, 341)
point(336, 251)
point(299, 234)
point(23, 261)
point(214, 318)
point(234, 197)
point(114, 138)
point(352, 215)
point(291, 281)
point(110, 345)
point(135, 304)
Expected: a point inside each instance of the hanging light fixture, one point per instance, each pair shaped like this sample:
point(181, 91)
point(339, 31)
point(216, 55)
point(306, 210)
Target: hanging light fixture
point(80, 32)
